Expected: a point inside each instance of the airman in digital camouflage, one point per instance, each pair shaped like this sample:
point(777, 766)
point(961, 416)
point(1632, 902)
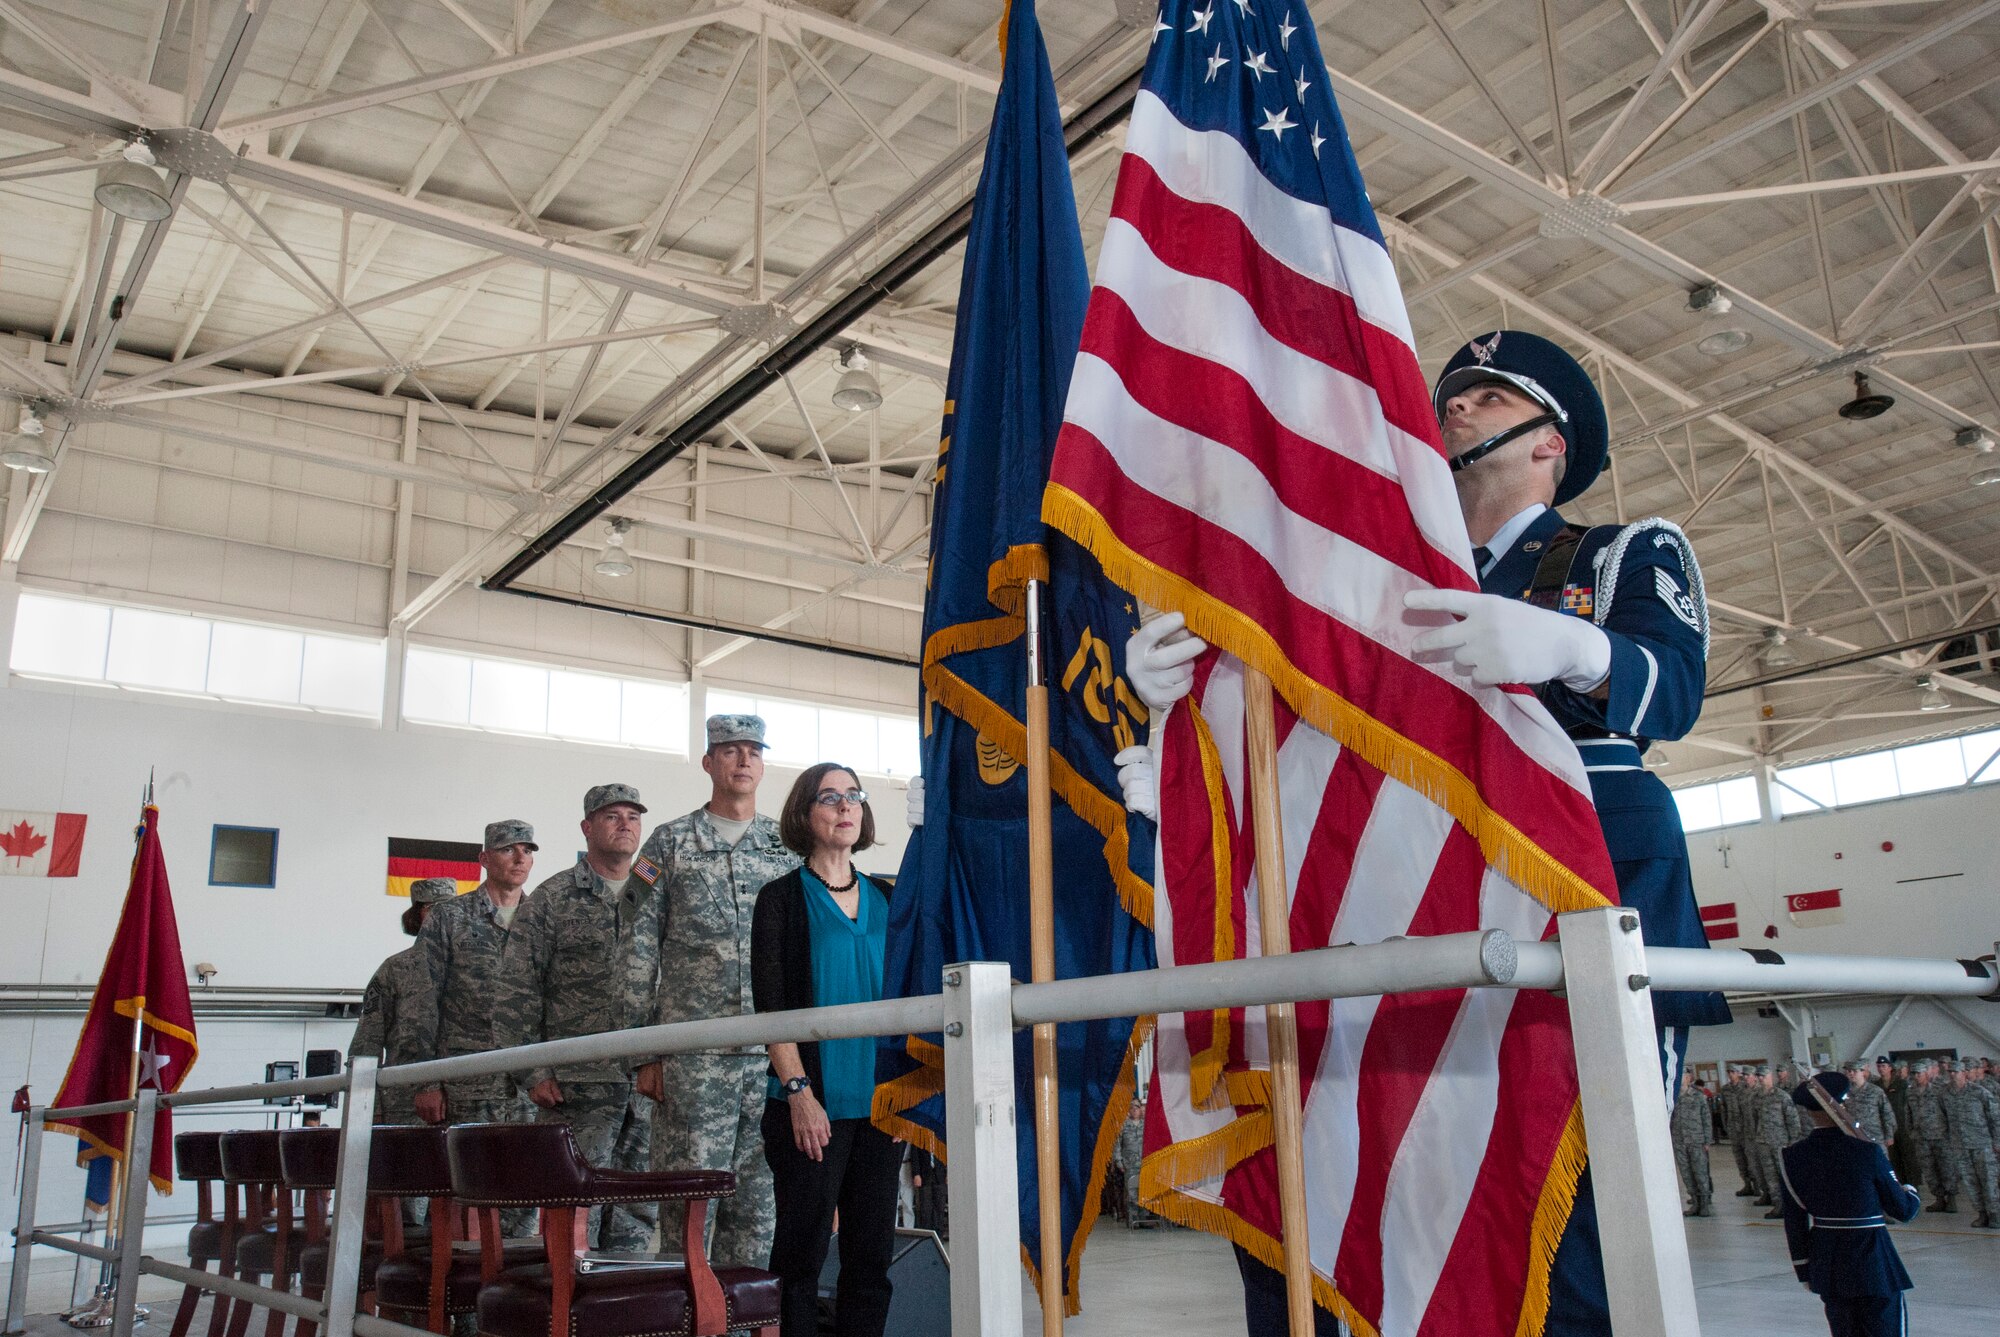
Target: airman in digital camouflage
point(1692, 1126)
point(1974, 1116)
point(394, 1005)
point(709, 867)
point(582, 957)
point(1868, 1106)
point(1932, 1120)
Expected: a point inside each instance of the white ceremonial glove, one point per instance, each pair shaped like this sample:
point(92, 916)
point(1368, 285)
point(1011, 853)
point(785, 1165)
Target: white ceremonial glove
point(1500, 640)
point(913, 803)
point(1138, 779)
point(1159, 661)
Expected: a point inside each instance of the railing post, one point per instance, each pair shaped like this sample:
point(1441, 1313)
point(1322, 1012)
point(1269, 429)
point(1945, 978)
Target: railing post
point(350, 1199)
point(24, 1227)
point(1646, 1271)
point(983, 1180)
point(132, 1212)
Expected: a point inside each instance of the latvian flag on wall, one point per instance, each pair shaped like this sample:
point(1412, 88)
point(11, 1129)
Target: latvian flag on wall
point(1719, 921)
point(410, 860)
point(40, 844)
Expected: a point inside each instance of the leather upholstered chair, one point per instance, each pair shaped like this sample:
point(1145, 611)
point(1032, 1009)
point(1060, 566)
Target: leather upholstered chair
point(251, 1166)
point(310, 1160)
point(496, 1165)
point(198, 1161)
point(425, 1283)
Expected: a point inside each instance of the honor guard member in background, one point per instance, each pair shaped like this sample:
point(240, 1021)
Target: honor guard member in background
point(1692, 1129)
point(1608, 624)
point(1839, 1196)
point(1974, 1115)
point(394, 1005)
point(1931, 1121)
point(582, 957)
point(1869, 1107)
point(708, 868)
point(462, 942)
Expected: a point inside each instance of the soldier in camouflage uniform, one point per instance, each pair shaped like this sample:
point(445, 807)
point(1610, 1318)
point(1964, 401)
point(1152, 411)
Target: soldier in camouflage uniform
point(462, 944)
point(1975, 1126)
point(394, 1004)
point(710, 865)
point(1932, 1123)
point(1770, 1130)
point(1869, 1107)
point(1693, 1128)
point(583, 957)
point(1905, 1158)
point(1733, 1107)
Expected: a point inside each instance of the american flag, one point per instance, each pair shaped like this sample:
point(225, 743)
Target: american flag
point(1249, 440)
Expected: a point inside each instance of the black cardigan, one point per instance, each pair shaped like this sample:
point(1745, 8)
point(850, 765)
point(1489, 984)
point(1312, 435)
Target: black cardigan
point(781, 972)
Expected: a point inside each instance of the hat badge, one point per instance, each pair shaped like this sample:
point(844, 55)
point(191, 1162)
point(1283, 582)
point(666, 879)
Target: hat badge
point(1482, 353)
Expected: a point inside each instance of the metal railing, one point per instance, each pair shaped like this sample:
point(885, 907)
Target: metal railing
point(1599, 962)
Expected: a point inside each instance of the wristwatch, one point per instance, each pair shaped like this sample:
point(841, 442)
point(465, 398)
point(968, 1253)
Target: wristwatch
point(798, 1084)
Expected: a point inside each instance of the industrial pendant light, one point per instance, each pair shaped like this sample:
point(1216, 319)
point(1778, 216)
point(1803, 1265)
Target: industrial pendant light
point(29, 451)
point(132, 187)
point(615, 563)
point(858, 389)
point(1866, 403)
point(1777, 653)
point(1932, 699)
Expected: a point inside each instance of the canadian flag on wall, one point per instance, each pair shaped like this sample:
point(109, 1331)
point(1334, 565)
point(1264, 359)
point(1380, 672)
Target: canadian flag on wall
point(1719, 921)
point(1809, 909)
point(40, 844)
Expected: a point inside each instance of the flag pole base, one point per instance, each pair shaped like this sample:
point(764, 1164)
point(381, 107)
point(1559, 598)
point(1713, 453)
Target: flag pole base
point(101, 1311)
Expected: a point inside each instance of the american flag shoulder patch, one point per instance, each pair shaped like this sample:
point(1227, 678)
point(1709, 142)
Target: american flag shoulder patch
point(646, 871)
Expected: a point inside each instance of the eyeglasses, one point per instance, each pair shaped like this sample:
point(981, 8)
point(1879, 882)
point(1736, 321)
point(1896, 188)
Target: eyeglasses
point(833, 798)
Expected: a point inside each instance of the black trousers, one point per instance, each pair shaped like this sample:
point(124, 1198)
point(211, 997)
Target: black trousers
point(1866, 1315)
point(1265, 1311)
point(858, 1177)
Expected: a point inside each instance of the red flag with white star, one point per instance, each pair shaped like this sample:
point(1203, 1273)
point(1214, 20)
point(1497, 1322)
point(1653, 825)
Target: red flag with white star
point(141, 1007)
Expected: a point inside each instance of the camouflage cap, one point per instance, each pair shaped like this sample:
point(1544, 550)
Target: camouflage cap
point(603, 796)
point(735, 729)
point(431, 890)
point(1763, 1071)
point(513, 831)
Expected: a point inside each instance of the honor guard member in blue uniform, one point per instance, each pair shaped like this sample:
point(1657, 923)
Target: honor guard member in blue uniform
point(1608, 623)
point(1839, 1196)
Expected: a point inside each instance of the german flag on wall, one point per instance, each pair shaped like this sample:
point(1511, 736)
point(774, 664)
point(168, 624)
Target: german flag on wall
point(413, 859)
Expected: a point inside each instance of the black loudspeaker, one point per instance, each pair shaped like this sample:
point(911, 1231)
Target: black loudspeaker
point(323, 1063)
point(921, 1274)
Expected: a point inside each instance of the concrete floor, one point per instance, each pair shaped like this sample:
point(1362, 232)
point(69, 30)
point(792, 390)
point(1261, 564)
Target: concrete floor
point(1150, 1283)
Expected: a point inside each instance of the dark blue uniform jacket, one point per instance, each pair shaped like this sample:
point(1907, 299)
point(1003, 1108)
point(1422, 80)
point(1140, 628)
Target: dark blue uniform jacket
point(1840, 1195)
point(1641, 585)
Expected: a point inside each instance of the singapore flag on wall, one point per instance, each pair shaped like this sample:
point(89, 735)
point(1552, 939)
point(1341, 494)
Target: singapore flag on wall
point(1810, 909)
point(40, 844)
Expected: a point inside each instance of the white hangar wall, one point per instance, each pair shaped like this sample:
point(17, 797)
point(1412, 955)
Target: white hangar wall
point(1916, 876)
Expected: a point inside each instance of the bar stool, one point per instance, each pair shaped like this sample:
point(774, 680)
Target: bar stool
point(496, 1165)
point(251, 1165)
point(198, 1161)
point(426, 1284)
point(310, 1160)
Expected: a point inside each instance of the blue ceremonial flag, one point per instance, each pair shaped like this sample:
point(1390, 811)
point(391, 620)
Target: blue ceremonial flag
point(963, 890)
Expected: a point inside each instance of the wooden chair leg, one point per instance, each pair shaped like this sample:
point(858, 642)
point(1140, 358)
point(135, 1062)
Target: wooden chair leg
point(306, 1327)
point(444, 1229)
point(559, 1241)
point(225, 1263)
point(184, 1315)
point(274, 1322)
point(711, 1312)
point(239, 1310)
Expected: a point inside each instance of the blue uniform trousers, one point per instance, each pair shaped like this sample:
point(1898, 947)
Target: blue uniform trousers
point(1265, 1312)
point(1867, 1315)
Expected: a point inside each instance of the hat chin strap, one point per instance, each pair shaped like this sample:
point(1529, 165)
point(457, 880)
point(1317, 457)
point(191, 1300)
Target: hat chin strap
point(1459, 463)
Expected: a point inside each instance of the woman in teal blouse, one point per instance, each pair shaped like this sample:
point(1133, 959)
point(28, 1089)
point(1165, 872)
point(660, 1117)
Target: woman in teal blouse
point(816, 941)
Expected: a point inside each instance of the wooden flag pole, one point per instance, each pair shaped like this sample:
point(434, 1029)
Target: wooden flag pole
point(1042, 968)
point(1280, 1022)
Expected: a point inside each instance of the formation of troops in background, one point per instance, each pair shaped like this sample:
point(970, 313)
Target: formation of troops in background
point(641, 930)
point(1938, 1120)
